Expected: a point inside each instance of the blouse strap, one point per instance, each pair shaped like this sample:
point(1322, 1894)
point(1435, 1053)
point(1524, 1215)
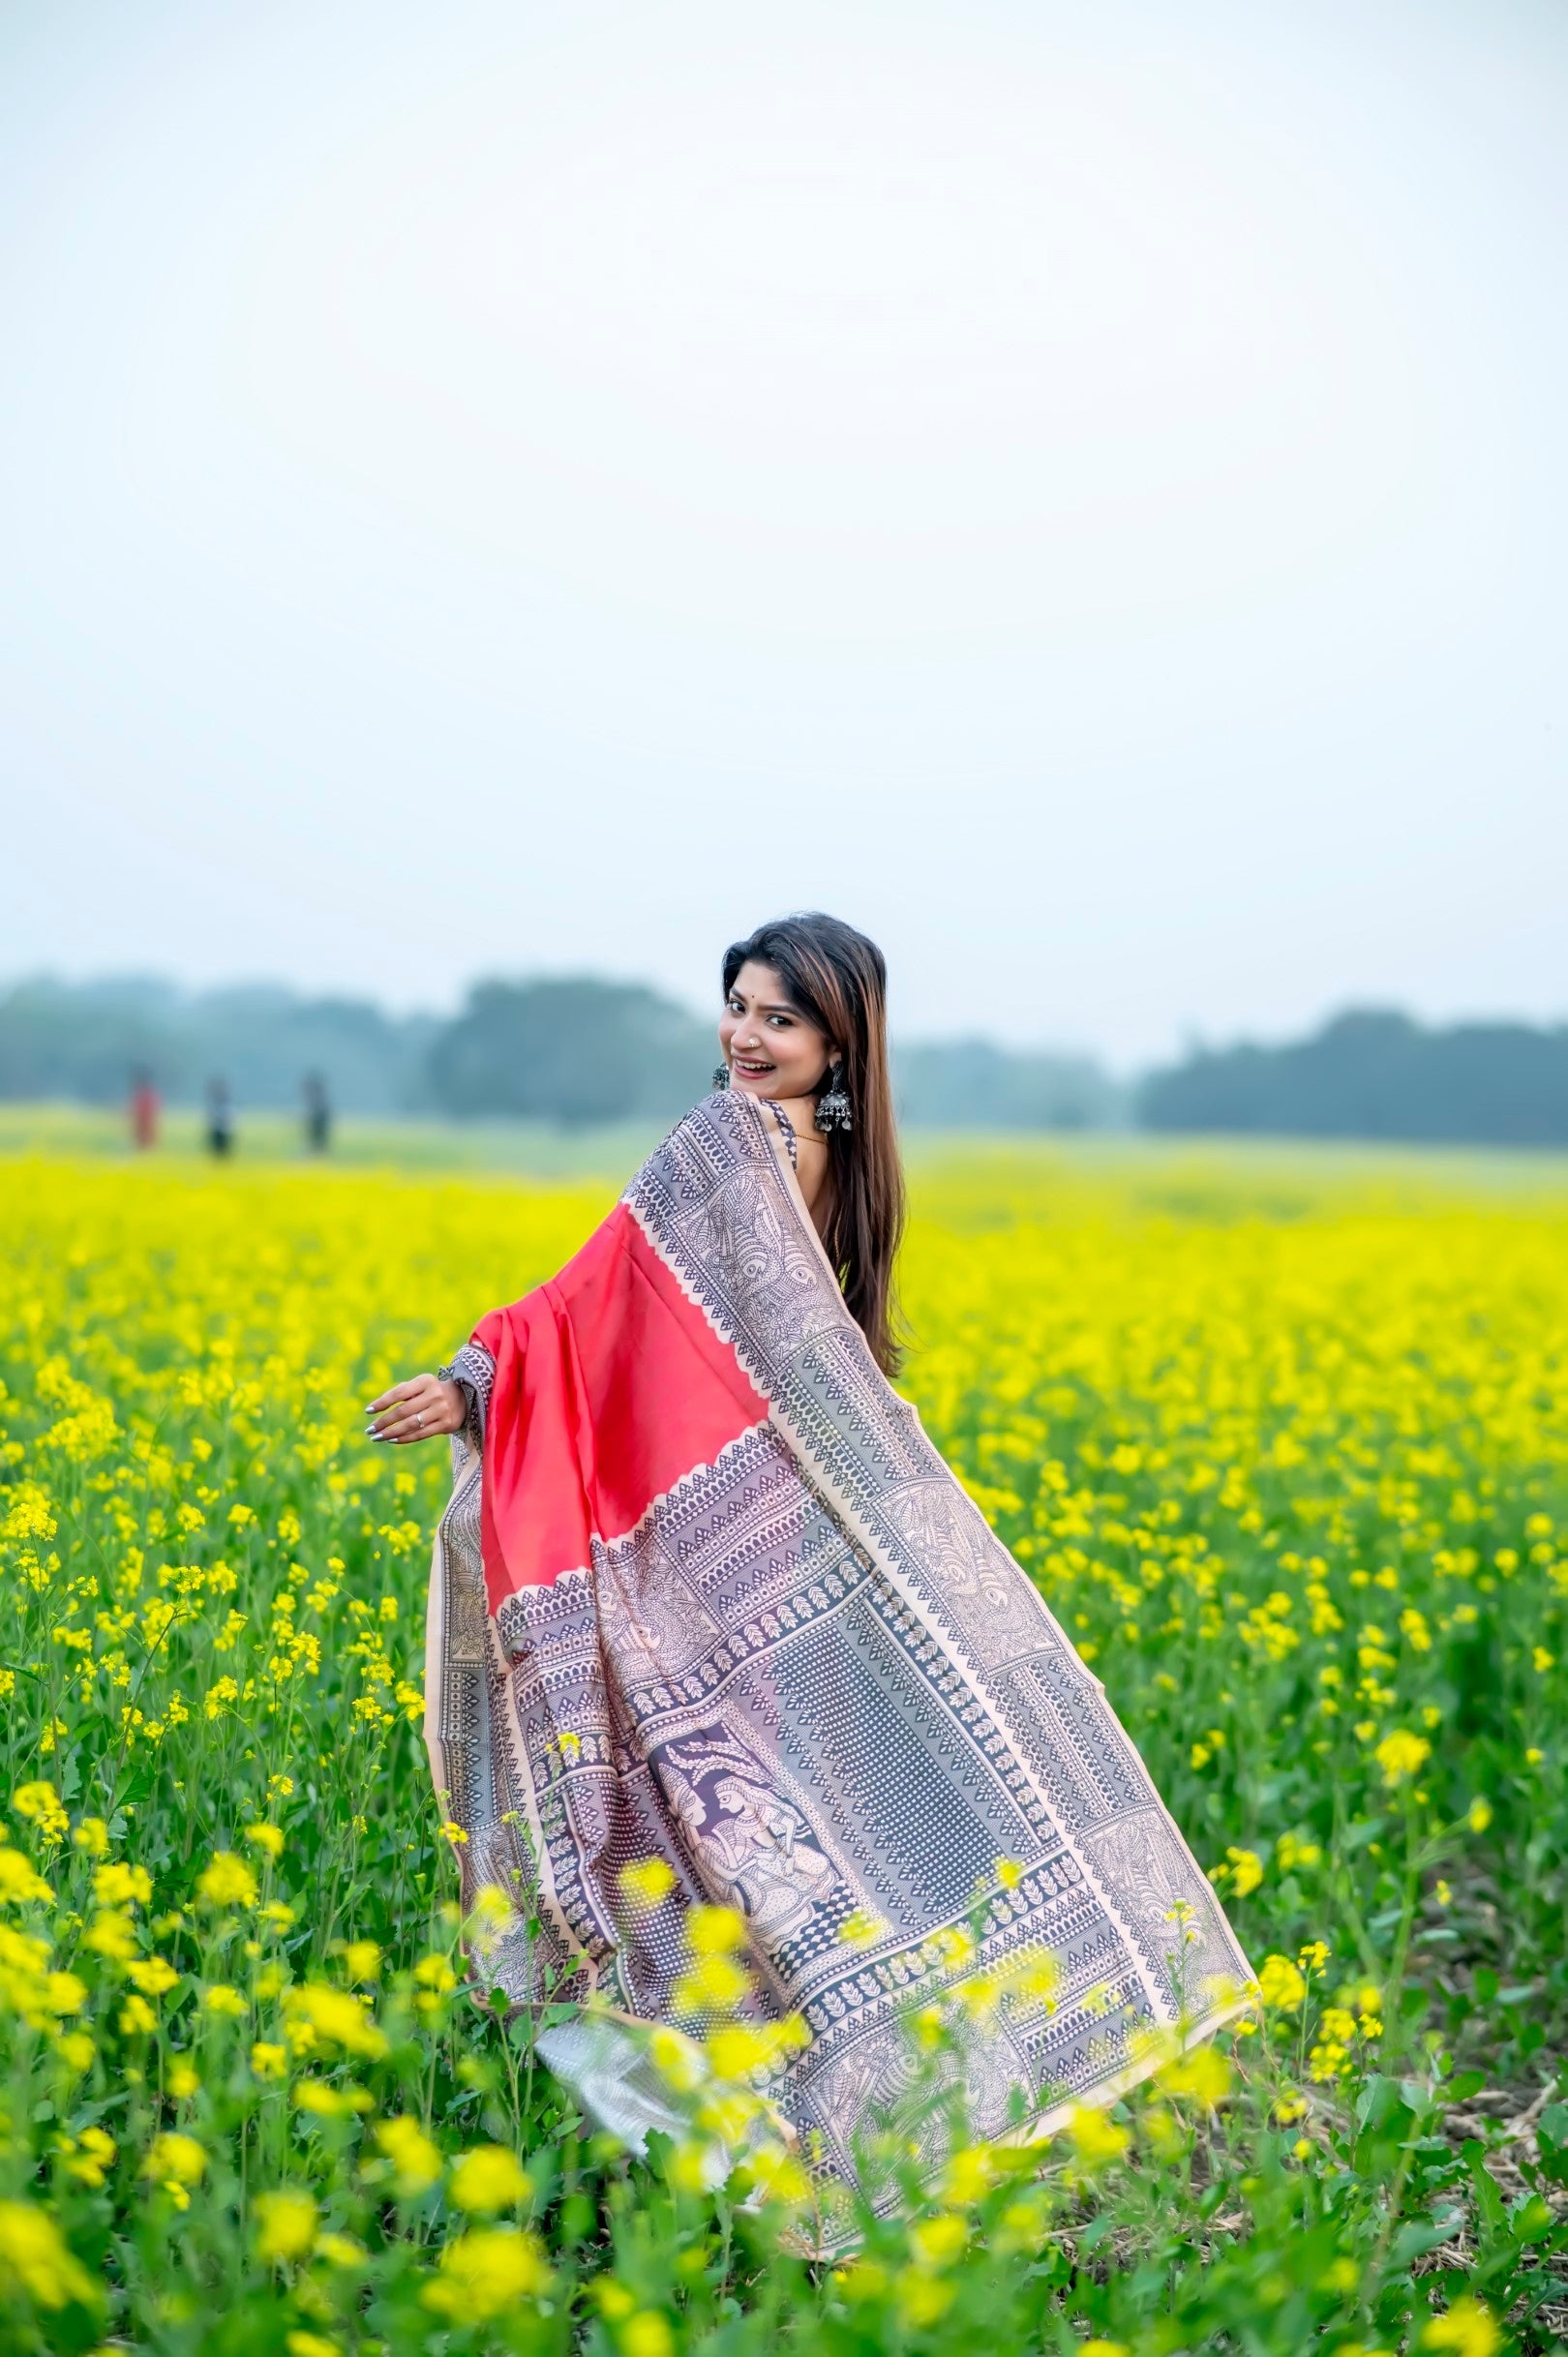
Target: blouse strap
point(788, 1127)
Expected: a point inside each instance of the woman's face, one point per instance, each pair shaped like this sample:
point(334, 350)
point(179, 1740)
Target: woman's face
point(770, 1048)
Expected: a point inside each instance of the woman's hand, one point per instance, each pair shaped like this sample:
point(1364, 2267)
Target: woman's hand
point(422, 1408)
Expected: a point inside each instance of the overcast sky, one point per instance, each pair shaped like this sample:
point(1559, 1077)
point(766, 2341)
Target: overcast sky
point(1080, 491)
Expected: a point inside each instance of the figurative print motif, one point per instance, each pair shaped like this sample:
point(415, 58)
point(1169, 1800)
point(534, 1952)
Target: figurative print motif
point(752, 1846)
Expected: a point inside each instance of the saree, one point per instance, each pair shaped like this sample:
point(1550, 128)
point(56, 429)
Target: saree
point(705, 1594)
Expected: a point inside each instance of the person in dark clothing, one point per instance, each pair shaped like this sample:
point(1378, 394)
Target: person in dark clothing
point(317, 1115)
point(220, 1118)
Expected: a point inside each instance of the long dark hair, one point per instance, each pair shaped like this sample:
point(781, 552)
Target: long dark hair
point(839, 981)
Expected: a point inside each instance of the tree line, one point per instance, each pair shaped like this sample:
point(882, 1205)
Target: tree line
point(579, 1051)
point(571, 1049)
point(1376, 1075)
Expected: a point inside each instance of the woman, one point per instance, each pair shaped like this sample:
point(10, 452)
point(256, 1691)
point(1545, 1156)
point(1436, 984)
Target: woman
point(705, 1595)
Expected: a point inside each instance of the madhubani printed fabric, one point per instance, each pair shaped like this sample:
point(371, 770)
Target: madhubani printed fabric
point(706, 1591)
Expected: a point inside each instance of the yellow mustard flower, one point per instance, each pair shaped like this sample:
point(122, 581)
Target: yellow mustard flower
point(488, 2178)
point(286, 2224)
point(1467, 2327)
point(483, 2275)
point(175, 2161)
point(40, 2263)
point(227, 1881)
point(21, 1882)
point(1094, 2137)
point(416, 2163)
point(1400, 1754)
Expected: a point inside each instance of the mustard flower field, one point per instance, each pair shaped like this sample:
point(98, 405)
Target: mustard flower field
point(1286, 1444)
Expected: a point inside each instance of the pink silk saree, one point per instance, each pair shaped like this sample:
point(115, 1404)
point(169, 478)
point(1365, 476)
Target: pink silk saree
point(706, 1593)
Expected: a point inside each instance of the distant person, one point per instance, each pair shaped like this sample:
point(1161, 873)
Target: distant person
point(317, 1115)
point(144, 1110)
point(220, 1119)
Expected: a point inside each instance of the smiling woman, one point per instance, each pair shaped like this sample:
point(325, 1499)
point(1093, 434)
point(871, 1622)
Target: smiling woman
point(721, 1656)
point(805, 1026)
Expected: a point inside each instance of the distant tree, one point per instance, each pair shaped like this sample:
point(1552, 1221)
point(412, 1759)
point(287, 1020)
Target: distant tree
point(573, 1049)
point(974, 1084)
point(82, 1040)
point(1374, 1074)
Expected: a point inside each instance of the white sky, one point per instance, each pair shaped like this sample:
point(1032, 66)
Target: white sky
point(1081, 491)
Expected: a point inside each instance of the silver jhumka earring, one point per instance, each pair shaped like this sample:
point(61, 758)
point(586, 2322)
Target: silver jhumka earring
point(721, 1075)
point(833, 1111)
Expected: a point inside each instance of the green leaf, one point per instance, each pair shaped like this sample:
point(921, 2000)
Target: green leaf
point(1533, 2218)
point(1419, 2236)
point(1489, 2197)
point(1356, 1836)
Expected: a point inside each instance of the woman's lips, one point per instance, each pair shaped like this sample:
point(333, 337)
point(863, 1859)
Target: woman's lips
point(743, 1063)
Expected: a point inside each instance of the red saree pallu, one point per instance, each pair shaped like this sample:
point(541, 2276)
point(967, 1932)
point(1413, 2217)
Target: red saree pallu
point(705, 1594)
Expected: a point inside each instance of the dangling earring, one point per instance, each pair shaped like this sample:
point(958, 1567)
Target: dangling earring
point(833, 1110)
point(721, 1075)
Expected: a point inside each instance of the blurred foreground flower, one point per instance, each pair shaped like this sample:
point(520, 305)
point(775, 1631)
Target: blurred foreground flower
point(646, 1882)
point(174, 2163)
point(488, 2177)
point(1468, 2328)
point(483, 2275)
point(34, 2258)
point(19, 1881)
point(226, 1881)
point(286, 2224)
point(1201, 2074)
point(1281, 1984)
point(335, 2016)
point(1096, 2138)
point(416, 2162)
point(1400, 1754)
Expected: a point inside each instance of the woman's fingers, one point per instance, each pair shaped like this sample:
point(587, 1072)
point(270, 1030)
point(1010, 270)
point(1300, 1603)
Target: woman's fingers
point(402, 1419)
point(395, 1420)
point(422, 1408)
point(395, 1412)
point(406, 1413)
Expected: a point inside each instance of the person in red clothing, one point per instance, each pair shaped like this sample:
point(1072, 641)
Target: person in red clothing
point(144, 1110)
